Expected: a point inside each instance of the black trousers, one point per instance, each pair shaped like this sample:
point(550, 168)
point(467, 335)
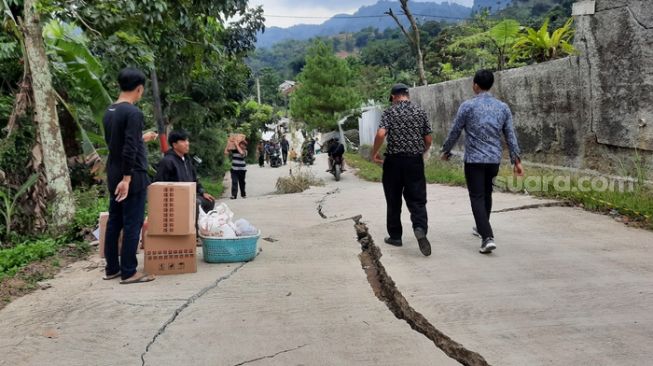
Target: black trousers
point(238, 179)
point(127, 216)
point(404, 176)
point(479, 179)
point(284, 155)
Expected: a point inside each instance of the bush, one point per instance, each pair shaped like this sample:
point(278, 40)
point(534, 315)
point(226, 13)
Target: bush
point(90, 202)
point(298, 182)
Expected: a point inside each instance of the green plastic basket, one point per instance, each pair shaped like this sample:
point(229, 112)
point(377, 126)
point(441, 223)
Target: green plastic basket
point(221, 250)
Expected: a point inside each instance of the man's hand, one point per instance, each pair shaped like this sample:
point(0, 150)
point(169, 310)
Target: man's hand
point(518, 169)
point(376, 158)
point(208, 197)
point(150, 136)
point(445, 156)
point(122, 190)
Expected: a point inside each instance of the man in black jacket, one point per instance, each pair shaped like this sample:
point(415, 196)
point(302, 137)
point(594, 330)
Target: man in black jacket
point(336, 150)
point(127, 178)
point(176, 166)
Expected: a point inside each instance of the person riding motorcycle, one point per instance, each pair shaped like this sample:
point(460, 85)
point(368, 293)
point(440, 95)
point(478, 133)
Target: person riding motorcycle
point(336, 151)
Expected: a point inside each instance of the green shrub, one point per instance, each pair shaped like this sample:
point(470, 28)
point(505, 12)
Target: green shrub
point(13, 259)
point(90, 202)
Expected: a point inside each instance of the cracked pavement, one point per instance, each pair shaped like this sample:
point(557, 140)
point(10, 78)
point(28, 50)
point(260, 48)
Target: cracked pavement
point(564, 287)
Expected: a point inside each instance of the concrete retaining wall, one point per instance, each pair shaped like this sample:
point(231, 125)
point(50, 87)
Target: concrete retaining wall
point(593, 111)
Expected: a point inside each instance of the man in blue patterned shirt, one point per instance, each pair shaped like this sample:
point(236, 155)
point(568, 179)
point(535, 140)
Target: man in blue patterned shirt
point(484, 119)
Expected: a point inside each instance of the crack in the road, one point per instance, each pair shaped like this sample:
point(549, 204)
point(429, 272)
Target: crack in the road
point(386, 290)
point(189, 301)
point(535, 206)
point(271, 356)
point(321, 202)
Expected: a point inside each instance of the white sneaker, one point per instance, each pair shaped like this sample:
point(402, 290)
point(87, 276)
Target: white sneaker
point(475, 232)
point(488, 246)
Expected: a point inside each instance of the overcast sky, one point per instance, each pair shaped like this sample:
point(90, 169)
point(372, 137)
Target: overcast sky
point(316, 8)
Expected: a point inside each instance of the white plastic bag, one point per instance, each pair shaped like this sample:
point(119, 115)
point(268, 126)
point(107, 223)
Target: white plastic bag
point(225, 215)
point(244, 228)
point(217, 222)
point(225, 231)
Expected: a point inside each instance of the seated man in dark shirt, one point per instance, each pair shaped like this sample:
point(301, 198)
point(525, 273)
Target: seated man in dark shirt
point(176, 166)
point(336, 150)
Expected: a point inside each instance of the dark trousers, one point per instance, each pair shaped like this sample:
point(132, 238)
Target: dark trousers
point(238, 179)
point(284, 154)
point(127, 216)
point(404, 176)
point(479, 179)
point(261, 159)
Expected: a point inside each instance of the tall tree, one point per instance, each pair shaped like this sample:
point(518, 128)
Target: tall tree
point(413, 38)
point(45, 116)
point(325, 89)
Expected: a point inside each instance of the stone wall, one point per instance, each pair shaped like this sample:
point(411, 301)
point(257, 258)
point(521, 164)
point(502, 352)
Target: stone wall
point(591, 111)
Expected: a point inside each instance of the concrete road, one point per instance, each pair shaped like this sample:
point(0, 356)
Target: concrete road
point(565, 287)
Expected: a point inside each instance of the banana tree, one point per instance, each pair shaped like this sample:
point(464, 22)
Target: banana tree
point(69, 45)
point(9, 199)
point(543, 46)
point(501, 37)
point(68, 48)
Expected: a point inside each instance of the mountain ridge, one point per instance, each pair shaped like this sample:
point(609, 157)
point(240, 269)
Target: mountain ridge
point(423, 11)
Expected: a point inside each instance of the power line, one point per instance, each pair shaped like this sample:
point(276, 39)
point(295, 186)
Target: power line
point(363, 16)
point(314, 17)
point(440, 16)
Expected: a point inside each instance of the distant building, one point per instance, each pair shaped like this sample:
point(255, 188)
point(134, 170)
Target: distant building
point(287, 87)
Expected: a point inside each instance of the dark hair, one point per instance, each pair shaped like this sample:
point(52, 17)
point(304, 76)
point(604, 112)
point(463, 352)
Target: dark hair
point(175, 136)
point(403, 93)
point(129, 79)
point(484, 79)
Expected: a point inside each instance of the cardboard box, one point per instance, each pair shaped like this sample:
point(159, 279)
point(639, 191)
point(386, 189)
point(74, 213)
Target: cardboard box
point(233, 141)
point(104, 218)
point(171, 208)
point(166, 254)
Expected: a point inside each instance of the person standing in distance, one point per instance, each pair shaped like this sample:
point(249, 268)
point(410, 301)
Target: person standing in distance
point(408, 133)
point(285, 145)
point(484, 119)
point(127, 178)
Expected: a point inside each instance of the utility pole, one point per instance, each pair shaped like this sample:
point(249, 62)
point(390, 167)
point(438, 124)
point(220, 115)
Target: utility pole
point(258, 90)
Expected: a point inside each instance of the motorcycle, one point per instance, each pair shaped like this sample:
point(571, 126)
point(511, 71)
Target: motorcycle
point(308, 157)
point(275, 159)
point(337, 167)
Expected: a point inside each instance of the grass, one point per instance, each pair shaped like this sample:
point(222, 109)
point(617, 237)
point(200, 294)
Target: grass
point(436, 171)
point(635, 202)
point(23, 278)
point(14, 259)
point(366, 170)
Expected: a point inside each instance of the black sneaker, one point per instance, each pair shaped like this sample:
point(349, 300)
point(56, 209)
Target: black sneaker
point(424, 245)
point(394, 242)
point(233, 197)
point(488, 246)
